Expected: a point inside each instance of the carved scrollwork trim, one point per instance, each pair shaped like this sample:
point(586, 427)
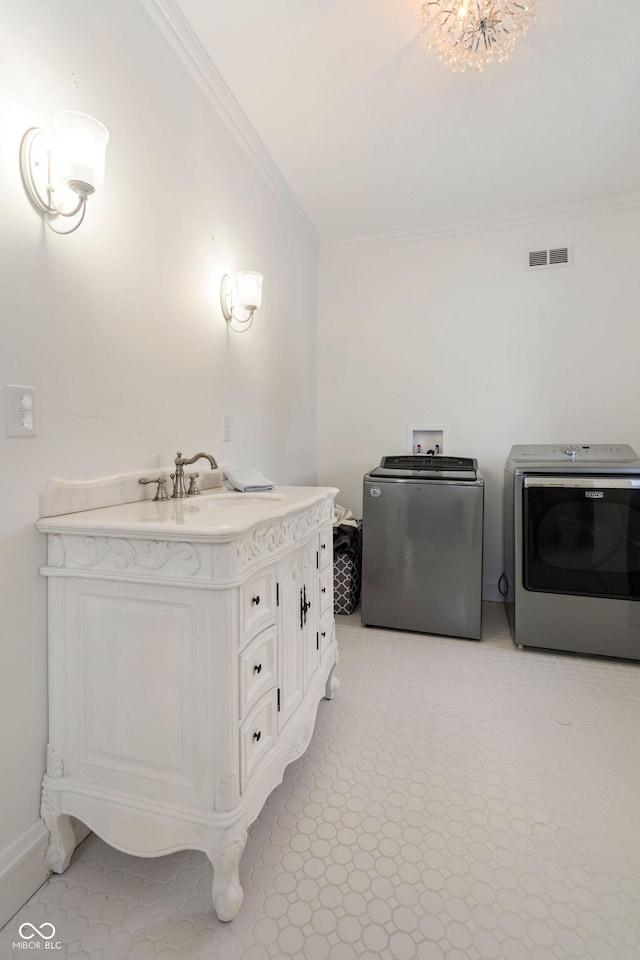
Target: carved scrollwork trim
point(148, 554)
point(49, 812)
point(55, 766)
point(56, 553)
point(297, 747)
point(48, 807)
point(265, 540)
point(229, 847)
point(220, 562)
point(226, 793)
point(61, 836)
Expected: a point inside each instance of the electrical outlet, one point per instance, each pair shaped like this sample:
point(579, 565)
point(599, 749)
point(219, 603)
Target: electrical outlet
point(20, 406)
point(226, 436)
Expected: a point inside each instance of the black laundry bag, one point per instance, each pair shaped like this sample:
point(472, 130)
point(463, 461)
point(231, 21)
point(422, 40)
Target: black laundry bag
point(347, 567)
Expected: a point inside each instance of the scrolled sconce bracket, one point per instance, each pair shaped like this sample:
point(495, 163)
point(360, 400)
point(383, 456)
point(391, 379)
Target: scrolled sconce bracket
point(234, 322)
point(36, 169)
point(60, 170)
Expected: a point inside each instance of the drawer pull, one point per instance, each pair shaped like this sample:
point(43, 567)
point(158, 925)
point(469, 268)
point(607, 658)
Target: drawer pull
point(255, 600)
point(257, 668)
point(257, 736)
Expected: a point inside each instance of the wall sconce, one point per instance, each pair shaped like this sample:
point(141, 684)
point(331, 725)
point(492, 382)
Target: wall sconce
point(245, 290)
point(63, 167)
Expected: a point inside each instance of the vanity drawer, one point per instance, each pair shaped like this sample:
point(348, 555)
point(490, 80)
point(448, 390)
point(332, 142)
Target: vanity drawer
point(257, 735)
point(326, 590)
point(257, 603)
point(325, 633)
point(257, 669)
point(325, 548)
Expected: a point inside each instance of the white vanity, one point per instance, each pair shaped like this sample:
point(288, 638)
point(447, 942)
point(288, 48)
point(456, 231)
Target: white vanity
point(190, 642)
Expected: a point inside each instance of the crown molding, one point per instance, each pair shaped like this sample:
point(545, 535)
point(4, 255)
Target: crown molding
point(569, 211)
point(176, 30)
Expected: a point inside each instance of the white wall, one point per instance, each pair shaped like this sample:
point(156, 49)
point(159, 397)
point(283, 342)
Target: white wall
point(119, 325)
point(455, 332)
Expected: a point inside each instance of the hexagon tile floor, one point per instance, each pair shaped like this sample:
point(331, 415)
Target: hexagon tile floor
point(459, 801)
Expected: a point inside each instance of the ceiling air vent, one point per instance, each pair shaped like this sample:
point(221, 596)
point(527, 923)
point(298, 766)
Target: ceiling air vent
point(552, 257)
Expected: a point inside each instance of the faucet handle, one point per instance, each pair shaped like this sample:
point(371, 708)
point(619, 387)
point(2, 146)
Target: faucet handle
point(161, 493)
point(193, 486)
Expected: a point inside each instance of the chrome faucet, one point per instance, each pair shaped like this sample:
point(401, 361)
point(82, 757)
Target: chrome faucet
point(179, 489)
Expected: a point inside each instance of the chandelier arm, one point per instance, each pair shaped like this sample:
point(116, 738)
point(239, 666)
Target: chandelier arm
point(472, 33)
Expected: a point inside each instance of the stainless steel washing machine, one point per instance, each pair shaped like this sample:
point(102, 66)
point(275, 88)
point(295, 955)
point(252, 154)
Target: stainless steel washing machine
point(422, 545)
point(572, 548)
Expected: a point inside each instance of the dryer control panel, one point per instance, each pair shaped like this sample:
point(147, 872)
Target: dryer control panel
point(573, 453)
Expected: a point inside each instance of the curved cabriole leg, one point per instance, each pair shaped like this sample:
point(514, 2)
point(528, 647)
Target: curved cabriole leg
point(225, 857)
point(332, 685)
point(62, 840)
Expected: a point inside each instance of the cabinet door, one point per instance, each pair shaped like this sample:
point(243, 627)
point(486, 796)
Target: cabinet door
point(290, 643)
point(311, 605)
point(135, 701)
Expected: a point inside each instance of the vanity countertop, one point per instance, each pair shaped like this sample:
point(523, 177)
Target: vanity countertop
point(217, 515)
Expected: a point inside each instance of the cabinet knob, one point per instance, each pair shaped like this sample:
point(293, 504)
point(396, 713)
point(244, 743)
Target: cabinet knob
point(324, 590)
point(324, 633)
point(257, 668)
point(323, 546)
point(255, 600)
point(257, 736)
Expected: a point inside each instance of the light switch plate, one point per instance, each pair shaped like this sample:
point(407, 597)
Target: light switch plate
point(20, 407)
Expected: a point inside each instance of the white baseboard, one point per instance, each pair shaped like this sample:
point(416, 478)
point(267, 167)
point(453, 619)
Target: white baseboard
point(22, 867)
point(22, 870)
point(491, 592)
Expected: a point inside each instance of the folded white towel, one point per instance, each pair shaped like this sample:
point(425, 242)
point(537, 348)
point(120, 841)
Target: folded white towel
point(342, 517)
point(248, 481)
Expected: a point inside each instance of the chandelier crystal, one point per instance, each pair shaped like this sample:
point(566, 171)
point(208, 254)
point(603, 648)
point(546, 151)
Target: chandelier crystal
point(472, 33)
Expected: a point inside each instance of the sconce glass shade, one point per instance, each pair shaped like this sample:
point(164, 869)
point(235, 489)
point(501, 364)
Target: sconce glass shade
point(60, 171)
point(249, 289)
point(80, 148)
point(243, 290)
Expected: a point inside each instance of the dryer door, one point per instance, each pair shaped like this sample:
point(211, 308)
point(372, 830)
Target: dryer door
point(582, 536)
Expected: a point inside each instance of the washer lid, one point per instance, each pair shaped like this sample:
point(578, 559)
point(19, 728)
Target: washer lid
point(419, 467)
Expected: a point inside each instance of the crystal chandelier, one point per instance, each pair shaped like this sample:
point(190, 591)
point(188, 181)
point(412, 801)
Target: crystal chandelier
point(471, 33)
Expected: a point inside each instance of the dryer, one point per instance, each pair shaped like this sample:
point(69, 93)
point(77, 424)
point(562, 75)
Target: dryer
point(572, 548)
